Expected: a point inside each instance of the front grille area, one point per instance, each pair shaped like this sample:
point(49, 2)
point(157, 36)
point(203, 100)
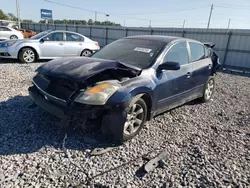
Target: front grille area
point(61, 88)
point(57, 87)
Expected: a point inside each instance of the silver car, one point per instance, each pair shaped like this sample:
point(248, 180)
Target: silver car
point(7, 33)
point(48, 45)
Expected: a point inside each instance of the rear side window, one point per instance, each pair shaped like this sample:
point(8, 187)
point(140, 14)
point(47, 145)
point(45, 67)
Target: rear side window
point(177, 53)
point(74, 37)
point(197, 51)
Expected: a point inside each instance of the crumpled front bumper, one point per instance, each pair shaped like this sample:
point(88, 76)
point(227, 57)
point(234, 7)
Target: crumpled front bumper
point(113, 117)
point(60, 109)
point(46, 105)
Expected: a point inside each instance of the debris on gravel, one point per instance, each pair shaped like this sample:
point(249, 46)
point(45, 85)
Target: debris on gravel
point(208, 145)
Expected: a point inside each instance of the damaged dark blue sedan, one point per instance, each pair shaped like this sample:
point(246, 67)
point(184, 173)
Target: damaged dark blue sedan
point(126, 83)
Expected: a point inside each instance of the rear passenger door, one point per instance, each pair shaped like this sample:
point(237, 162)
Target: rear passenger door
point(5, 33)
point(202, 65)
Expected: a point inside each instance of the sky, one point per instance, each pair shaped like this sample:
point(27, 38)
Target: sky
point(138, 13)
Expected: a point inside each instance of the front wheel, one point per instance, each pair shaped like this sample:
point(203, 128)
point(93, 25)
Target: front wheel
point(86, 53)
point(209, 90)
point(136, 117)
point(27, 55)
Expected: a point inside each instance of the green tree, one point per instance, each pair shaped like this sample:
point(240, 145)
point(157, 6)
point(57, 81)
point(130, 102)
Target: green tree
point(3, 16)
point(90, 22)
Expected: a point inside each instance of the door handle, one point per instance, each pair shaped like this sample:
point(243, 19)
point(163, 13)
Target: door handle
point(60, 44)
point(188, 75)
point(80, 44)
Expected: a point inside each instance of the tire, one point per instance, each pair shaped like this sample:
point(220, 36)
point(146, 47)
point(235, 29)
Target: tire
point(27, 55)
point(136, 118)
point(208, 90)
point(86, 53)
point(13, 37)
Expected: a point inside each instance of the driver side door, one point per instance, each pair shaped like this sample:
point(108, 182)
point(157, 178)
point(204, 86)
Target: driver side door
point(52, 45)
point(173, 85)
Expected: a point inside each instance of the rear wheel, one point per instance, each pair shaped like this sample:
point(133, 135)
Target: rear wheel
point(27, 55)
point(136, 117)
point(13, 37)
point(209, 90)
point(86, 53)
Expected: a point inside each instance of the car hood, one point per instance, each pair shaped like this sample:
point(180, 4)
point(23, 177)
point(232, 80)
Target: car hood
point(79, 69)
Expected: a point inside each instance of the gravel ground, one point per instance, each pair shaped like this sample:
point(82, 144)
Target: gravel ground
point(208, 144)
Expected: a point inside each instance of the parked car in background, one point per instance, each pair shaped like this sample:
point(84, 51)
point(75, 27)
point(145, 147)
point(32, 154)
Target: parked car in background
point(27, 33)
point(48, 45)
point(126, 83)
point(8, 33)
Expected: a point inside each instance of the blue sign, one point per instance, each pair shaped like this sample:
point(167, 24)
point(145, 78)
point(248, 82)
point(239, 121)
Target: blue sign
point(46, 14)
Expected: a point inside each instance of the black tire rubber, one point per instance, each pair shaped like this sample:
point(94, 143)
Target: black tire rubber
point(20, 55)
point(87, 51)
point(204, 99)
point(141, 102)
point(15, 37)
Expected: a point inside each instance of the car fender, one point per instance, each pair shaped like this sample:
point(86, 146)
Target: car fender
point(131, 88)
point(28, 45)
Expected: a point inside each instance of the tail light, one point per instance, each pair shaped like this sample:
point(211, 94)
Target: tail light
point(97, 44)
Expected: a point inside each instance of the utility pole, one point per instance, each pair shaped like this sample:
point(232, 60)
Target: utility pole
point(210, 15)
point(149, 23)
point(124, 23)
point(95, 17)
point(229, 22)
point(183, 24)
point(18, 13)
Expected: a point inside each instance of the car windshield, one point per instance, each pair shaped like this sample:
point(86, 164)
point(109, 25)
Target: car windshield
point(40, 35)
point(137, 52)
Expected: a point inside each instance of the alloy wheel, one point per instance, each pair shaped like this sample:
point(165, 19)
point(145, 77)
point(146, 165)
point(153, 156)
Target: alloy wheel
point(209, 89)
point(86, 53)
point(29, 56)
point(13, 37)
point(134, 119)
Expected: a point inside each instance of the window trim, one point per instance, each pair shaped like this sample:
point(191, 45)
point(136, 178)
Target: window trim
point(190, 55)
point(165, 53)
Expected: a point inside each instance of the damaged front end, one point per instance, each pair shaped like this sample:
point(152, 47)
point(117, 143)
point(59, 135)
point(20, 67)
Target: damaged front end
point(84, 103)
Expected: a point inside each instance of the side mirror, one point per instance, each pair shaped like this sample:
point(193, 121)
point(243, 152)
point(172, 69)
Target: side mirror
point(42, 41)
point(169, 66)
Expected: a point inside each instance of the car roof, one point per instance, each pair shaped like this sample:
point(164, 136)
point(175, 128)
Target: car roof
point(162, 38)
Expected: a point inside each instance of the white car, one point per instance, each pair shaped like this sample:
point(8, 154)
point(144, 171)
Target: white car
point(48, 45)
point(8, 33)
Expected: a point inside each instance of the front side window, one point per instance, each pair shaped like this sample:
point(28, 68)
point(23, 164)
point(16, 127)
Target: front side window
point(74, 37)
point(58, 36)
point(177, 53)
point(197, 51)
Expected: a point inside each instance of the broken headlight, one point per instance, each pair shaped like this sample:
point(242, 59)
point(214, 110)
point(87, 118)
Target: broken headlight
point(97, 95)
